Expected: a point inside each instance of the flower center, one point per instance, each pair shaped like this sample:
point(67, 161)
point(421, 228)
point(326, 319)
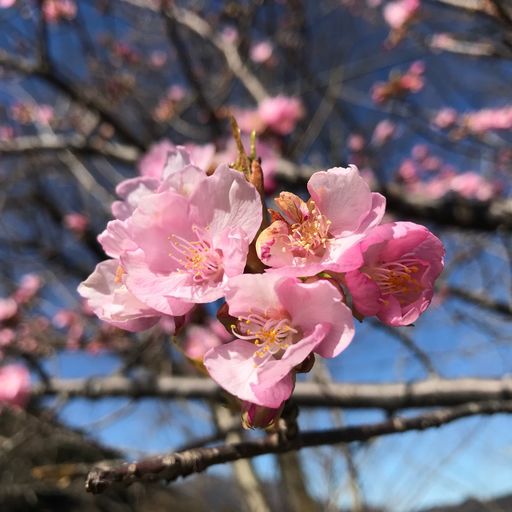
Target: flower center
point(310, 237)
point(397, 277)
point(272, 336)
point(197, 257)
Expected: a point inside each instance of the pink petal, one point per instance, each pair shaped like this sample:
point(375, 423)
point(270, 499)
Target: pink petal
point(320, 302)
point(343, 196)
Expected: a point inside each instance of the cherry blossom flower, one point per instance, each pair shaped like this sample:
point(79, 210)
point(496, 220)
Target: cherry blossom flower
point(4, 4)
point(399, 85)
point(487, 119)
point(8, 308)
point(14, 385)
point(112, 302)
point(153, 163)
point(163, 160)
point(399, 12)
point(29, 285)
point(279, 322)
point(313, 236)
point(281, 113)
point(445, 118)
point(198, 341)
point(55, 10)
point(76, 222)
point(180, 245)
point(401, 262)
point(261, 52)
point(383, 132)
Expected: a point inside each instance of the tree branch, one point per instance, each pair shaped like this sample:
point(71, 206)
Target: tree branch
point(389, 396)
point(181, 464)
point(75, 142)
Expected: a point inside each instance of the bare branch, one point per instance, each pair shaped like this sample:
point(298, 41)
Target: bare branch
point(181, 464)
point(74, 142)
point(390, 396)
point(479, 300)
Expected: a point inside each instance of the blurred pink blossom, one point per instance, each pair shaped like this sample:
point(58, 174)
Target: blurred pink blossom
point(14, 385)
point(445, 118)
point(198, 341)
point(261, 51)
point(383, 132)
point(29, 285)
point(44, 114)
point(356, 142)
point(472, 186)
point(157, 58)
point(76, 222)
point(400, 84)
point(399, 12)
point(6, 3)
point(489, 119)
point(7, 336)
point(281, 113)
point(8, 308)
point(56, 10)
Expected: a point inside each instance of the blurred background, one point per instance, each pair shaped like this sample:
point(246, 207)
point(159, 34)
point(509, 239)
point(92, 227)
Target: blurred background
point(416, 93)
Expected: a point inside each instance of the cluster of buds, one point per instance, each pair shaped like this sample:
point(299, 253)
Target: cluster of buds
point(291, 285)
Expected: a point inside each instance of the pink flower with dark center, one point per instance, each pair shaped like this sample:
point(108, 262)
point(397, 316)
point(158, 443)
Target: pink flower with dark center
point(14, 385)
point(315, 236)
point(402, 260)
point(279, 322)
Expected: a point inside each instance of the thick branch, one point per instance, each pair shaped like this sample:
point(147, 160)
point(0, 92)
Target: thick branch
point(171, 467)
point(426, 393)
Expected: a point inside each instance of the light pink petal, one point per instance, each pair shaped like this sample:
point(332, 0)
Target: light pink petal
point(320, 302)
point(234, 245)
point(176, 159)
point(232, 367)
point(252, 293)
point(227, 200)
point(343, 254)
point(184, 181)
point(132, 191)
point(153, 288)
point(112, 302)
point(376, 213)
point(343, 196)
point(116, 239)
point(153, 162)
point(273, 370)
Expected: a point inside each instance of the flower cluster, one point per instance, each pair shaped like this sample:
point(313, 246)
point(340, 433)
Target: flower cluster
point(292, 285)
